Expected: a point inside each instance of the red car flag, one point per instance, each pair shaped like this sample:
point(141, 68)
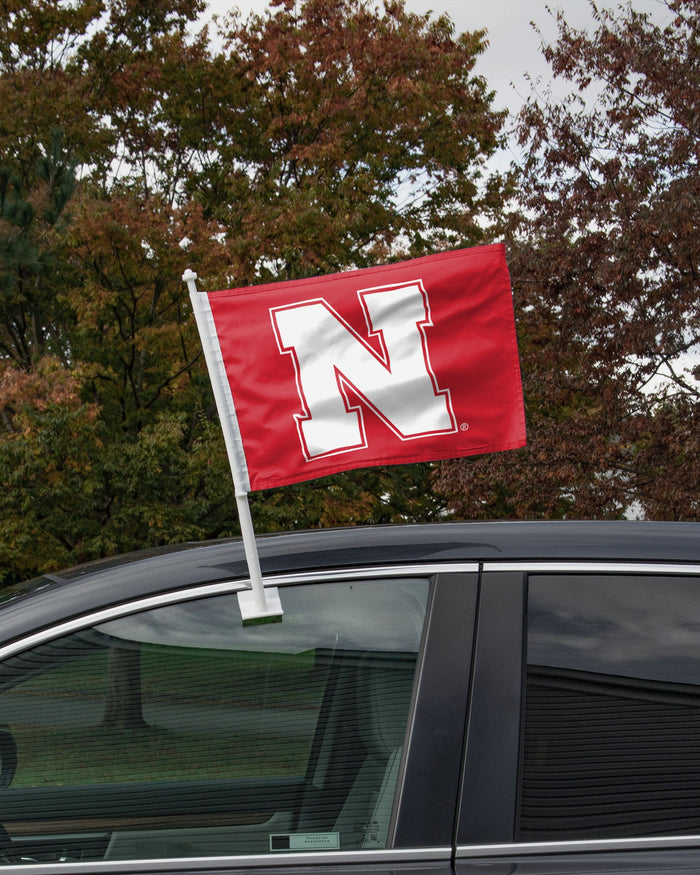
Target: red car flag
point(408, 362)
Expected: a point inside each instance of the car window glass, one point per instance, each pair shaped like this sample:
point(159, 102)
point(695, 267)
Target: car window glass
point(178, 732)
point(611, 741)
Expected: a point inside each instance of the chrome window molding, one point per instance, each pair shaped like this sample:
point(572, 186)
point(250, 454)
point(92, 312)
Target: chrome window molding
point(214, 864)
point(425, 569)
point(123, 609)
point(467, 852)
point(583, 566)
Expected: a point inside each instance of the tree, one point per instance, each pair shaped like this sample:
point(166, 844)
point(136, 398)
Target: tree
point(32, 219)
point(354, 136)
point(605, 262)
point(321, 135)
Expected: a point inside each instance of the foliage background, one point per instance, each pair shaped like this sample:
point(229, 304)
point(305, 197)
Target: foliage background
point(320, 136)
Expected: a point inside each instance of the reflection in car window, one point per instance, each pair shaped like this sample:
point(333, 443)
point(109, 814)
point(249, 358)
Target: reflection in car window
point(178, 732)
point(611, 744)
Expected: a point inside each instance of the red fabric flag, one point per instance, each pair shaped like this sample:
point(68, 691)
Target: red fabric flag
point(403, 363)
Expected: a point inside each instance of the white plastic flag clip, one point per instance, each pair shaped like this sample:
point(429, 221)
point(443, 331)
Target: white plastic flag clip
point(258, 604)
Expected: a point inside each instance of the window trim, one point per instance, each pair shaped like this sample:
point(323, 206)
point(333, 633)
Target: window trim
point(439, 717)
point(166, 866)
point(145, 603)
point(583, 566)
point(488, 797)
point(638, 843)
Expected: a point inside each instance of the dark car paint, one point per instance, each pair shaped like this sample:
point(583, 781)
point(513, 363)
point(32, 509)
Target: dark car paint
point(487, 811)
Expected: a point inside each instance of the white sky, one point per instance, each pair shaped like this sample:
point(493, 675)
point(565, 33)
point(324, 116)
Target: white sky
point(514, 45)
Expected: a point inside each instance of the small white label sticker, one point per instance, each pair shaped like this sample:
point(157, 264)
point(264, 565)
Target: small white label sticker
point(305, 841)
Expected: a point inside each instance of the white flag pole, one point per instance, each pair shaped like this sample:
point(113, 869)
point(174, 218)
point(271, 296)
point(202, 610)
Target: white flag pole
point(257, 605)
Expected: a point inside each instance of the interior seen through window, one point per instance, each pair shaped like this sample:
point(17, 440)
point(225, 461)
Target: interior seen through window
point(611, 745)
point(179, 732)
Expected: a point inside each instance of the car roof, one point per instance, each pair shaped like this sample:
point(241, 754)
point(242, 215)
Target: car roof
point(622, 540)
point(119, 579)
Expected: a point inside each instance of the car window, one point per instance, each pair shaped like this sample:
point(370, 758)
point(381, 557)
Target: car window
point(611, 743)
point(179, 732)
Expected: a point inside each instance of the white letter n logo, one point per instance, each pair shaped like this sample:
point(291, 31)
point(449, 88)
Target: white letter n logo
point(331, 359)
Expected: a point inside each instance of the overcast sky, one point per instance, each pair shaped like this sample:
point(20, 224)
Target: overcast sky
point(514, 45)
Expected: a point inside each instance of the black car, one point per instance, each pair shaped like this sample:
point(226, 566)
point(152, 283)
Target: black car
point(436, 700)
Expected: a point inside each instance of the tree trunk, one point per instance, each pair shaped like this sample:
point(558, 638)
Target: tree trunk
point(123, 709)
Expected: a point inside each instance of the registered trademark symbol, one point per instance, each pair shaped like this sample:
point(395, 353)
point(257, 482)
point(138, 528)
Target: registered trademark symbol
point(464, 426)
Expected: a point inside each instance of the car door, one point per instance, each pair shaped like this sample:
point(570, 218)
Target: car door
point(584, 741)
point(163, 733)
